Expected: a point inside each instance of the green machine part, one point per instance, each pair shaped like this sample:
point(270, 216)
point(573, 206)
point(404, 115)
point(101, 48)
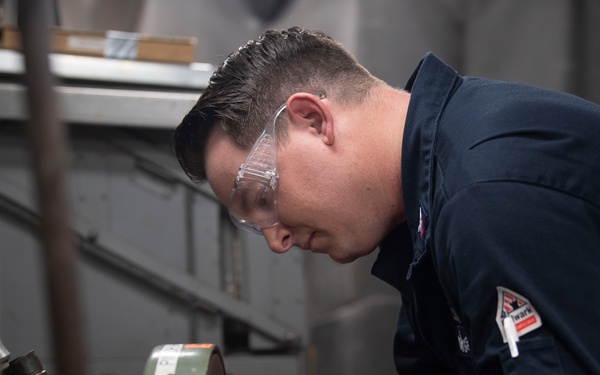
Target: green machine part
point(185, 359)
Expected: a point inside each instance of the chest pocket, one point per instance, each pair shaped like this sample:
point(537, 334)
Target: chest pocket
point(437, 323)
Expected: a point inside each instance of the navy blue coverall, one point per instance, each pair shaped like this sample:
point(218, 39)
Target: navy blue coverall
point(501, 185)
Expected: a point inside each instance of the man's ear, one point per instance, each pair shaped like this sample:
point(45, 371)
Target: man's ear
point(307, 110)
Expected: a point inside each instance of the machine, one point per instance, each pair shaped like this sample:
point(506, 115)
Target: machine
point(185, 359)
point(170, 359)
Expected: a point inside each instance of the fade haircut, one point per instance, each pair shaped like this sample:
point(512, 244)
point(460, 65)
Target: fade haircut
point(256, 79)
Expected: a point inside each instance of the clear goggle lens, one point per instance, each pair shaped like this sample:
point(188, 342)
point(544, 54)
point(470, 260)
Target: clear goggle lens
point(253, 205)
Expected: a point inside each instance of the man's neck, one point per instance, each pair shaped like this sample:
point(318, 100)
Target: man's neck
point(388, 108)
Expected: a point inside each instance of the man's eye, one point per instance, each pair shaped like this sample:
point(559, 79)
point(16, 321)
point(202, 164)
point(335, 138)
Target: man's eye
point(262, 200)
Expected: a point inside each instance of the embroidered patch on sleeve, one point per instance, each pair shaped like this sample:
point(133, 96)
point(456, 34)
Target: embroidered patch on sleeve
point(519, 309)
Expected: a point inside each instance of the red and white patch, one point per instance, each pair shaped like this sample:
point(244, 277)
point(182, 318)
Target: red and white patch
point(519, 309)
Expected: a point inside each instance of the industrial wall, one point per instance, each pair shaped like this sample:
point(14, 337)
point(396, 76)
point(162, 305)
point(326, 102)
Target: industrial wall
point(160, 263)
point(551, 43)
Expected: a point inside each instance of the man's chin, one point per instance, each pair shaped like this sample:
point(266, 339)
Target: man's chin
point(343, 258)
point(348, 257)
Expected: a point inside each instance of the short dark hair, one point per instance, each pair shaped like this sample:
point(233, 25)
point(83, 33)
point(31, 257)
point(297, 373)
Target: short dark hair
point(256, 79)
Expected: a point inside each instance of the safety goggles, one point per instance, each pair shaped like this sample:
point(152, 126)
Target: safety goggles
point(253, 199)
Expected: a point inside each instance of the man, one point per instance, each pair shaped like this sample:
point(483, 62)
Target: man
point(482, 196)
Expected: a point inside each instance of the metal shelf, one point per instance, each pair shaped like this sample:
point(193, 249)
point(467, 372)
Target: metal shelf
point(125, 106)
point(129, 72)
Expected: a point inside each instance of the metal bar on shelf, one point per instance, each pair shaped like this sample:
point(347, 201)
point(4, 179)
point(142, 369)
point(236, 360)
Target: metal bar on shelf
point(100, 106)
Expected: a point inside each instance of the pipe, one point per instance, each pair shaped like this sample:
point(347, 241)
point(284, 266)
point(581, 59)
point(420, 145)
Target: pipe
point(48, 140)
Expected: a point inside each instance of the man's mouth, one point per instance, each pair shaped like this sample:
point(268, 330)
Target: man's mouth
point(309, 242)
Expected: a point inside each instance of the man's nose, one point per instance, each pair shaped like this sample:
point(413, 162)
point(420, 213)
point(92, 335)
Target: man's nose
point(279, 238)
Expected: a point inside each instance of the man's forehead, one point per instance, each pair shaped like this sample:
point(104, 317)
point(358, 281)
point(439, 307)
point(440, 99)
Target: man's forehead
point(223, 159)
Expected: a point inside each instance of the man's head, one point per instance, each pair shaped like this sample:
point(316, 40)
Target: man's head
point(322, 185)
point(257, 78)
